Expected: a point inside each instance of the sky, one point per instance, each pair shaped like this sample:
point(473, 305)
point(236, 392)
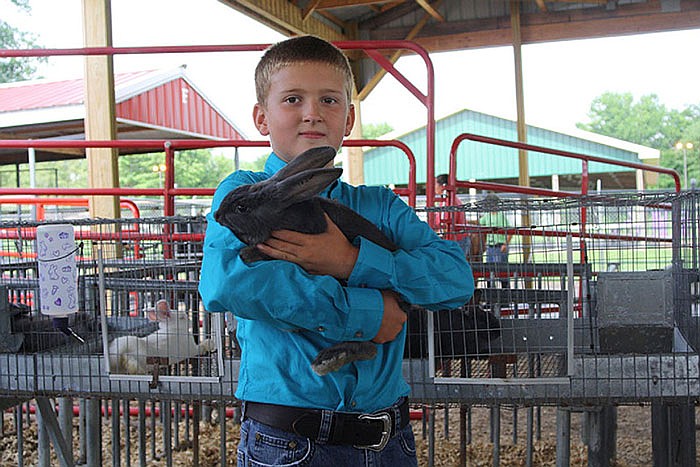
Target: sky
point(560, 79)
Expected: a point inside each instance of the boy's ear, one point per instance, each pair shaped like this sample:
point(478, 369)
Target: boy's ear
point(260, 119)
point(350, 122)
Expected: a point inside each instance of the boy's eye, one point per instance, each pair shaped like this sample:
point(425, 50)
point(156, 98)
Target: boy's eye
point(329, 100)
point(292, 100)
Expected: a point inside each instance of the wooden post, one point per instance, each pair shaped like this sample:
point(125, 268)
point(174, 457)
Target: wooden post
point(673, 434)
point(600, 430)
point(523, 171)
point(356, 174)
point(100, 121)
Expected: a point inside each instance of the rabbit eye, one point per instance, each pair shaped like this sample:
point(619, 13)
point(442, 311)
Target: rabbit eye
point(241, 209)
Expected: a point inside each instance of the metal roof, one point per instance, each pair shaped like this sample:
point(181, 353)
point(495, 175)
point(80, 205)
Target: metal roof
point(154, 104)
point(444, 25)
point(483, 162)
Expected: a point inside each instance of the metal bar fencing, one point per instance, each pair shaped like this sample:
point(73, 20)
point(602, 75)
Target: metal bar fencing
point(605, 317)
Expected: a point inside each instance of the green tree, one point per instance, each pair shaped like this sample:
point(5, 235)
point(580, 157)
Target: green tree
point(193, 169)
point(374, 130)
point(648, 122)
point(257, 165)
point(17, 69)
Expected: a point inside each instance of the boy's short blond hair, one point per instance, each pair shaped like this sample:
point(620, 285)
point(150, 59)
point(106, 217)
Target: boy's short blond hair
point(299, 50)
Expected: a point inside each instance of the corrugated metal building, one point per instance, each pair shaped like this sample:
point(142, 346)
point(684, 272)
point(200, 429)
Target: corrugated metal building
point(478, 161)
point(153, 104)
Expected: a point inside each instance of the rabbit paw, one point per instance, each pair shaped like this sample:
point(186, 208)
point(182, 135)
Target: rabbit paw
point(334, 358)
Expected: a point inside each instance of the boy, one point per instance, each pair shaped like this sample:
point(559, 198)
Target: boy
point(496, 243)
point(324, 289)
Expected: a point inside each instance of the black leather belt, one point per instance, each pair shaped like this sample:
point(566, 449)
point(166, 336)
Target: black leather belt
point(366, 431)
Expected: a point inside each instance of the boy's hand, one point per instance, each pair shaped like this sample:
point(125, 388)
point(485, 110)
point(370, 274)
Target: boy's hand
point(392, 320)
point(329, 253)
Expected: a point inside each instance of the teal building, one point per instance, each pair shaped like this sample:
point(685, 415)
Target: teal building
point(485, 162)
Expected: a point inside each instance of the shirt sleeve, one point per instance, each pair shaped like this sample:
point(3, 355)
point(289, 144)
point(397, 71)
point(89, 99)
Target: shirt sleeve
point(281, 292)
point(426, 270)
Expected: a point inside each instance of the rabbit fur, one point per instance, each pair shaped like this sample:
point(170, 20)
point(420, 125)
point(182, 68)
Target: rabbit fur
point(288, 200)
point(172, 340)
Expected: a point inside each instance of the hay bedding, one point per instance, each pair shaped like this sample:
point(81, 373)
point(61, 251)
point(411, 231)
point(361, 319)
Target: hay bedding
point(633, 441)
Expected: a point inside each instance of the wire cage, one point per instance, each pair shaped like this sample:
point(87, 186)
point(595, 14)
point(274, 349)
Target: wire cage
point(138, 316)
point(595, 301)
point(598, 302)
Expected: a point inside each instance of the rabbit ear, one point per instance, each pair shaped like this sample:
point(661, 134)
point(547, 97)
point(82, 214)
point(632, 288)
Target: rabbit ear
point(307, 184)
point(314, 158)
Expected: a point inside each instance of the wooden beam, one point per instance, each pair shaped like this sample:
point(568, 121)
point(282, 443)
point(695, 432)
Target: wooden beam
point(324, 4)
point(374, 81)
point(557, 26)
point(541, 5)
point(337, 21)
point(100, 121)
point(388, 15)
point(431, 11)
point(306, 12)
point(286, 18)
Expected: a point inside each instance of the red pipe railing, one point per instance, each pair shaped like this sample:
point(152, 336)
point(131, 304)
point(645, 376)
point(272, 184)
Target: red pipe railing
point(584, 158)
point(453, 183)
point(41, 204)
point(169, 192)
point(370, 48)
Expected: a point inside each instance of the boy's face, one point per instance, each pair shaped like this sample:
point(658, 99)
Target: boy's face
point(306, 107)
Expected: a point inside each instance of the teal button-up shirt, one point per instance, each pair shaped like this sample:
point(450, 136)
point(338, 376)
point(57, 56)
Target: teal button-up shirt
point(286, 315)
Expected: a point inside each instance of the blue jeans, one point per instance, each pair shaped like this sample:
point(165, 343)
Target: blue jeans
point(494, 254)
point(263, 445)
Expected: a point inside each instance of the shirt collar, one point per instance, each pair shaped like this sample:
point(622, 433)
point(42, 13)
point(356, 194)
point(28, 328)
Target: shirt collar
point(273, 164)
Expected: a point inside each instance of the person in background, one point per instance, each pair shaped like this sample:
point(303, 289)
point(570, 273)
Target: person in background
point(496, 242)
point(322, 289)
point(451, 222)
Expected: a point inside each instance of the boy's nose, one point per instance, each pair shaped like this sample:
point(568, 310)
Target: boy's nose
point(312, 112)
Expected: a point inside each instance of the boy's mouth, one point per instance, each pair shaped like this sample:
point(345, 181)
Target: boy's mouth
point(312, 134)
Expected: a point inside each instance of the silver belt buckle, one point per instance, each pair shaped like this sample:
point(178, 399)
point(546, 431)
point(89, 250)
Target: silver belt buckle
point(386, 430)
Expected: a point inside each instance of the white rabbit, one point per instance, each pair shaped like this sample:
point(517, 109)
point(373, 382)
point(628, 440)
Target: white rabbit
point(172, 340)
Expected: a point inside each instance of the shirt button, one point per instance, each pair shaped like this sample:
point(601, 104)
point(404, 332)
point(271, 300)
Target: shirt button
point(320, 329)
point(358, 334)
point(353, 403)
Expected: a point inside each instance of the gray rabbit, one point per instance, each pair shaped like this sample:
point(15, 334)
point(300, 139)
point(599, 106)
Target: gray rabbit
point(288, 200)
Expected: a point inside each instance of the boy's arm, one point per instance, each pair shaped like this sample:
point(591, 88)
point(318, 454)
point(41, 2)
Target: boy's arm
point(426, 270)
point(330, 253)
point(427, 260)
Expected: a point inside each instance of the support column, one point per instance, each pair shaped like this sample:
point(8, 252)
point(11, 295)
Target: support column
point(673, 434)
point(100, 122)
point(356, 173)
point(600, 429)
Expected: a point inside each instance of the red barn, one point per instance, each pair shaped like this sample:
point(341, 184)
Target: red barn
point(149, 105)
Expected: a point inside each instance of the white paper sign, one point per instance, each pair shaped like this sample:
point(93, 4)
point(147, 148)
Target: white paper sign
point(58, 277)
